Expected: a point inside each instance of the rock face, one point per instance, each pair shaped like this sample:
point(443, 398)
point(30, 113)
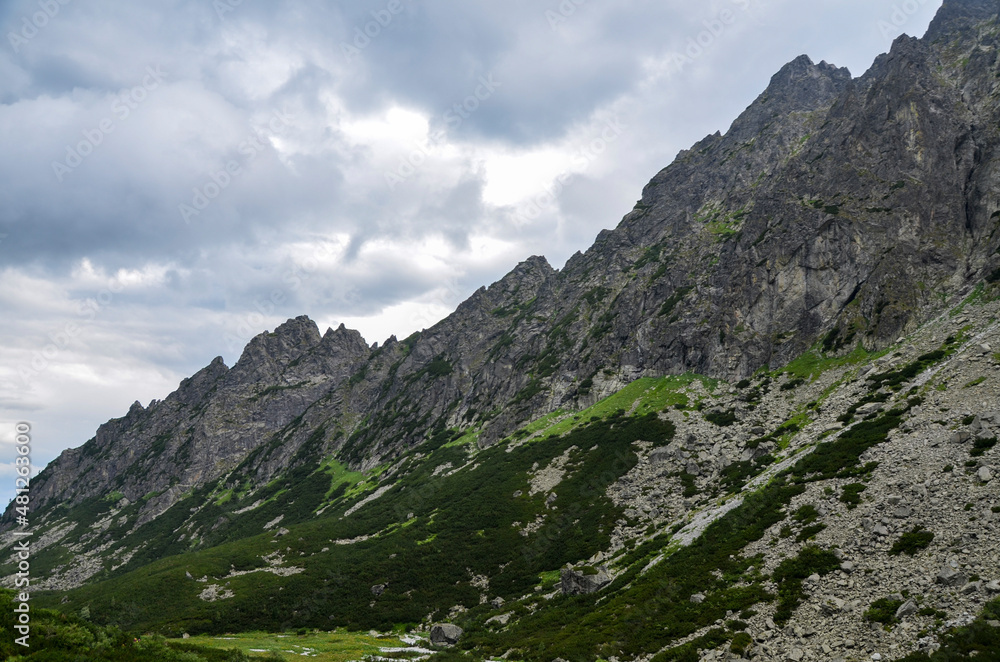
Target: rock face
point(445, 634)
point(574, 582)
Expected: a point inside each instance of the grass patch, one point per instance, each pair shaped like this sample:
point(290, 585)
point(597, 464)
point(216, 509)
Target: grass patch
point(338, 646)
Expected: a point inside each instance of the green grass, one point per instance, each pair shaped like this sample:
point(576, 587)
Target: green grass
point(339, 646)
point(813, 363)
point(645, 395)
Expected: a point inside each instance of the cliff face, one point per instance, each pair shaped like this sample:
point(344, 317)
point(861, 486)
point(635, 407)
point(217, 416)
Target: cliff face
point(837, 208)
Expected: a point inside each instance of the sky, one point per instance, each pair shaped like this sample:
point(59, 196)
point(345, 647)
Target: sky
point(181, 175)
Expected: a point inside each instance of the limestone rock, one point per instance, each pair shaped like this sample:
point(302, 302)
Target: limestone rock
point(574, 582)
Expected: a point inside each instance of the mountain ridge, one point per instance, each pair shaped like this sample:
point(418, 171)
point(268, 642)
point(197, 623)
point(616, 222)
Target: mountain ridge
point(725, 327)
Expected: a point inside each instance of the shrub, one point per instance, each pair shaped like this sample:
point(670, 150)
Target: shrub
point(721, 418)
point(912, 542)
point(883, 611)
point(852, 495)
point(790, 573)
point(741, 643)
point(980, 446)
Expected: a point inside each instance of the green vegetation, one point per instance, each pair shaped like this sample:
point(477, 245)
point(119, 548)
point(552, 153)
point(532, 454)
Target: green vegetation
point(58, 637)
point(894, 379)
point(790, 574)
point(721, 418)
point(339, 646)
point(674, 299)
point(432, 531)
point(852, 494)
point(741, 643)
point(883, 611)
point(912, 542)
point(981, 445)
point(719, 222)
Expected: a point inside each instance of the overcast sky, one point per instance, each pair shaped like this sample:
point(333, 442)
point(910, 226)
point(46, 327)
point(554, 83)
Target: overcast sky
point(180, 175)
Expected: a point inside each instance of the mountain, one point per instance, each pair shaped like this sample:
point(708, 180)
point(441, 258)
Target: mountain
point(729, 415)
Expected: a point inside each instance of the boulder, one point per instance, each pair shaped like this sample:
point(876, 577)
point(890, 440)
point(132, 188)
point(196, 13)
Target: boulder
point(660, 455)
point(907, 608)
point(950, 577)
point(697, 598)
point(971, 587)
point(378, 589)
point(832, 606)
point(445, 634)
point(984, 474)
point(574, 582)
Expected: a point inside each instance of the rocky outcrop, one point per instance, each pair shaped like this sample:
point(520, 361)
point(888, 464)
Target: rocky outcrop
point(445, 634)
point(577, 582)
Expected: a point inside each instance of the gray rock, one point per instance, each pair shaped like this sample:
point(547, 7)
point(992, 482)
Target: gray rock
point(993, 586)
point(573, 582)
point(971, 587)
point(847, 566)
point(949, 576)
point(445, 634)
point(697, 598)
point(908, 608)
point(832, 606)
point(984, 474)
point(378, 589)
point(659, 455)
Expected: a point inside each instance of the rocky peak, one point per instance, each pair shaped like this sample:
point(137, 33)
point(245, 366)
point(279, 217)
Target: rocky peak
point(343, 338)
point(799, 86)
point(279, 347)
point(960, 15)
point(193, 389)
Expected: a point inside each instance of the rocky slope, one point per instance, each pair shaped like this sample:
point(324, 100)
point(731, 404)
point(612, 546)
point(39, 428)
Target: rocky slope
point(842, 228)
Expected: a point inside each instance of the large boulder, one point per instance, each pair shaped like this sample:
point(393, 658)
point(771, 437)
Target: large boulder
point(445, 634)
point(590, 580)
